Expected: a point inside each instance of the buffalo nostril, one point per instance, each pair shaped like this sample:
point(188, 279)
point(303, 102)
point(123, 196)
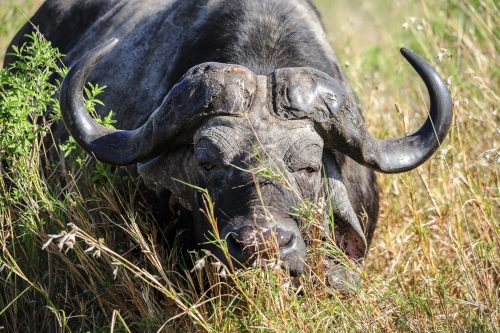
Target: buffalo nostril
point(291, 244)
point(285, 237)
point(246, 236)
point(260, 238)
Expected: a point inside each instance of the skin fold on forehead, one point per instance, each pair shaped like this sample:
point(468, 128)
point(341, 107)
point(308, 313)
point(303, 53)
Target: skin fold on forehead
point(283, 140)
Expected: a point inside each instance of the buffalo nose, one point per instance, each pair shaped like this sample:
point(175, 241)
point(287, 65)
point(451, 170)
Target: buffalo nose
point(253, 240)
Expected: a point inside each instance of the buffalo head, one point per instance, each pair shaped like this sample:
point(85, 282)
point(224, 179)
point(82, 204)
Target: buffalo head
point(261, 145)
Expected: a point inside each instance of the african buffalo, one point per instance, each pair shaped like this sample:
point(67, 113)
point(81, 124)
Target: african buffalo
point(209, 92)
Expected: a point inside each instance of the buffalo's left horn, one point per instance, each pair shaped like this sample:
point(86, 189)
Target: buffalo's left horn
point(205, 90)
point(309, 93)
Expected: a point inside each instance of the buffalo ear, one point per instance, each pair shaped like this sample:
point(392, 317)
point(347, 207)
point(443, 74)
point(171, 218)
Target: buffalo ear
point(349, 232)
point(171, 171)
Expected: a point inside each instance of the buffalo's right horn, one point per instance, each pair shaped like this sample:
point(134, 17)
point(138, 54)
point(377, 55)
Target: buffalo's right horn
point(205, 90)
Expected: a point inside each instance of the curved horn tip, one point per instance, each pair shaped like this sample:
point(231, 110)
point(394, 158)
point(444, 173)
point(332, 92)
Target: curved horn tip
point(416, 61)
point(113, 41)
point(108, 45)
point(410, 56)
point(101, 50)
point(404, 51)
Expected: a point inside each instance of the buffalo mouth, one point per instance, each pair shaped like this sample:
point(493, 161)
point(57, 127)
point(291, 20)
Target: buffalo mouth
point(250, 245)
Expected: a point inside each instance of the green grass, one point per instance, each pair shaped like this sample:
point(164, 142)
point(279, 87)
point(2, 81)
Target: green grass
point(433, 263)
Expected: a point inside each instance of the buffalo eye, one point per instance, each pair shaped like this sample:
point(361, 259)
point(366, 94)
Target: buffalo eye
point(310, 170)
point(207, 165)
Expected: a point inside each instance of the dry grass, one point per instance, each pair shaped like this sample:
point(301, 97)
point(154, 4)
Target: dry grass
point(433, 265)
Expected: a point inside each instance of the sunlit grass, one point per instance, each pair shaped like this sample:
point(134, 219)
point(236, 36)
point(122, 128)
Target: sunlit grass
point(433, 263)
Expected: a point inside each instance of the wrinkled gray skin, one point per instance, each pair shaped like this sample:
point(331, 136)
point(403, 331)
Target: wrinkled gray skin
point(159, 41)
